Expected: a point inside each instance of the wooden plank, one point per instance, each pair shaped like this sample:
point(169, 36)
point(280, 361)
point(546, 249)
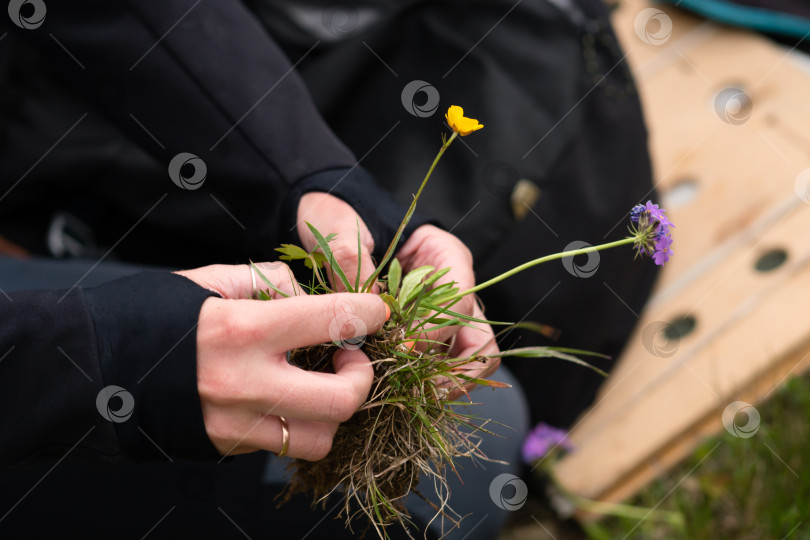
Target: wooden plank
point(657, 406)
point(711, 298)
point(738, 185)
point(741, 171)
point(705, 378)
point(649, 49)
point(670, 455)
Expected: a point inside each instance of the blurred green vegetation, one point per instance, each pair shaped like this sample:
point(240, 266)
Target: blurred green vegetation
point(741, 489)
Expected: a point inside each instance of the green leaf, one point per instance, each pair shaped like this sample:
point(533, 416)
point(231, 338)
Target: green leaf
point(262, 295)
point(486, 382)
point(318, 257)
point(424, 328)
point(439, 273)
point(291, 252)
point(394, 276)
point(411, 282)
point(444, 311)
point(414, 310)
point(441, 294)
point(323, 243)
point(550, 352)
point(542, 329)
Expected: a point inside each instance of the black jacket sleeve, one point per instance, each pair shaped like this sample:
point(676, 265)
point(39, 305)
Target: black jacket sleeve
point(205, 77)
point(107, 372)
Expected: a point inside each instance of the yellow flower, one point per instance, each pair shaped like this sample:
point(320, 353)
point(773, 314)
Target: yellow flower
point(459, 123)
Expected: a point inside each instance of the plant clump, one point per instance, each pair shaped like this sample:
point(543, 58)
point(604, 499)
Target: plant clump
point(412, 429)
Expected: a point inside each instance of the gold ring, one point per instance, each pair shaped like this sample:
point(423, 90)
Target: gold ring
point(285, 436)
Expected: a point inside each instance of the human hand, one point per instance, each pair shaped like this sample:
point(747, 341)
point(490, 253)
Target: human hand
point(244, 380)
point(429, 245)
point(330, 215)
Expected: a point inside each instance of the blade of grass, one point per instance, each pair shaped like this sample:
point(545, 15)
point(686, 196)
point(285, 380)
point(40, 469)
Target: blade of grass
point(267, 281)
point(444, 311)
point(359, 257)
point(546, 352)
point(333, 264)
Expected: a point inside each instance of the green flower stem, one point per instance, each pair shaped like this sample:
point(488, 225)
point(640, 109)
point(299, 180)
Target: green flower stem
point(625, 510)
point(433, 166)
point(535, 262)
point(370, 281)
point(608, 508)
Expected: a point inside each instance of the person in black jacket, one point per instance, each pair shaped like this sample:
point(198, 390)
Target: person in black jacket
point(199, 377)
point(101, 100)
point(246, 129)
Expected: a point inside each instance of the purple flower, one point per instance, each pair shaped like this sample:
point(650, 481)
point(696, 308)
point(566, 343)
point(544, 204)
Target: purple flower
point(543, 439)
point(657, 214)
point(652, 232)
point(663, 240)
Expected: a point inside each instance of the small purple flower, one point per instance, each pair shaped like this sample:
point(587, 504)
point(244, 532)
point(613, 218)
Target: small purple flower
point(663, 240)
point(657, 214)
point(543, 439)
point(652, 232)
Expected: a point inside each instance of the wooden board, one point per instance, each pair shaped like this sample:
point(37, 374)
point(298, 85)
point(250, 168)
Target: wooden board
point(666, 395)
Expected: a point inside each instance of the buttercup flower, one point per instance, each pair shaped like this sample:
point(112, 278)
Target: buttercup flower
point(543, 439)
point(459, 123)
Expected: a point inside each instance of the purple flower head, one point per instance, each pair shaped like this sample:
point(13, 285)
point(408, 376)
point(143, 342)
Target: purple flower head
point(657, 214)
point(543, 439)
point(652, 234)
point(636, 212)
point(663, 240)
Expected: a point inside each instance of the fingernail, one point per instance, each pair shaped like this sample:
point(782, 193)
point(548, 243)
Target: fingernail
point(387, 312)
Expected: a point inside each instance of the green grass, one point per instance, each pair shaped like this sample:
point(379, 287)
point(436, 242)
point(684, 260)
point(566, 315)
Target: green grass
point(738, 488)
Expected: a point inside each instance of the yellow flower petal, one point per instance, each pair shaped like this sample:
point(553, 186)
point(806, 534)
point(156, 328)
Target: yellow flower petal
point(459, 123)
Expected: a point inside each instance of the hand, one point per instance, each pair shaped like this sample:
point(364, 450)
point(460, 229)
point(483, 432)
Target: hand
point(329, 215)
point(428, 245)
point(244, 380)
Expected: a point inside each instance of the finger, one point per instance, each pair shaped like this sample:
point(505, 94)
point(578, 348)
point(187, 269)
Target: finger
point(237, 281)
point(352, 245)
point(302, 321)
point(279, 275)
point(311, 395)
point(247, 431)
point(356, 268)
point(429, 245)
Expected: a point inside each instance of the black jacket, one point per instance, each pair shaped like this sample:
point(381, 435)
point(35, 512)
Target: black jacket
point(94, 102)
point(160, 78)
point(547, 79)
point(62, 348)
